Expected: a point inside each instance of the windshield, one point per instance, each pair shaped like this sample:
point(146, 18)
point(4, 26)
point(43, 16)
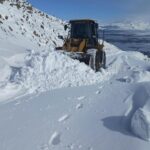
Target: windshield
point(80, 30)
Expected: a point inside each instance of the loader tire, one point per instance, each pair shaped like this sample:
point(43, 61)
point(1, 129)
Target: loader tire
point(98, 61)
point(102, 59)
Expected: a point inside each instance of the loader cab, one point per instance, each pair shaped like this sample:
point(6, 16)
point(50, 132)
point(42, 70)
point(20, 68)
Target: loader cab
point(82, 43)
point(84, 29)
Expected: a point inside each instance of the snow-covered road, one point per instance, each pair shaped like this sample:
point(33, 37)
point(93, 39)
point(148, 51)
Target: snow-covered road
point(90, 117)
point(81, 109)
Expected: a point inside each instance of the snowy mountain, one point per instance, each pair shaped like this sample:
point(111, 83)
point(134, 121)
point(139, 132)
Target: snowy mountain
point(129, 35)
point(49, 101)
point(130, 25)
point(20, 21)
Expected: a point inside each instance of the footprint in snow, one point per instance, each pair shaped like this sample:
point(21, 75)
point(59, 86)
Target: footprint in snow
point(90, 148)
point(63, 118)
point(55, 139)
point(79, 106)
point(74, 147)
point(100, 87)
point(81, 98)
point(17, 103)
point(80, 146)
point(124, 79)
point(44, 147)
point(71, 146)
point(98, 92)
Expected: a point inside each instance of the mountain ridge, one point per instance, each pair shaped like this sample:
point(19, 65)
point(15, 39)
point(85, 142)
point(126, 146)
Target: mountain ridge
point(19, 19)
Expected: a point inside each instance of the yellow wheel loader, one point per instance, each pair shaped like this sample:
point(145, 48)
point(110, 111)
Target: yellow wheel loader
point(82, 43)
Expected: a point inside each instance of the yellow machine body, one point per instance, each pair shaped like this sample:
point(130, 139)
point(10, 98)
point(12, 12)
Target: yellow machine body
point(79, 45)
point(83, 36)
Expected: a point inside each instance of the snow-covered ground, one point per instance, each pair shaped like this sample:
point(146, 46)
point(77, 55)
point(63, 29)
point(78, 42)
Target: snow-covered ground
point(49, 101)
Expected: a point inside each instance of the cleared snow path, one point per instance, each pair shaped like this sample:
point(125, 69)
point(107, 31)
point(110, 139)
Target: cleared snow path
point(104, 106)
point(32, 122)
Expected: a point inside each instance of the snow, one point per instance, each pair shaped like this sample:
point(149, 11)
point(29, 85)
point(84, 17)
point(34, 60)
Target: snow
point(140, 124)
point(55, 138)
point(63, 118)
point(79, 106)
point(140, 121)
point(19, 43)
point(81, 98)
point(47, 70)
point(27, 32)
point(101, 107)
point(102, 120)
point(49, 101)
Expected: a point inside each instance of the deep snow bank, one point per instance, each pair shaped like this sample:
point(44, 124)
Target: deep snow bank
point(35, 71)
point(50, 70)
point(140, 121)
point(45, 70)
point(138, 112)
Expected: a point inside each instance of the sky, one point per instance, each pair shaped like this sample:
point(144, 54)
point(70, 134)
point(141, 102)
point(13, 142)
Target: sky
point(101, 10)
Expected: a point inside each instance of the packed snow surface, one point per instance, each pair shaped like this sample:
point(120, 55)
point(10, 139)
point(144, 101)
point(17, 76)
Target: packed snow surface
point(140, 123)
point(121, 90)
point(50, 102)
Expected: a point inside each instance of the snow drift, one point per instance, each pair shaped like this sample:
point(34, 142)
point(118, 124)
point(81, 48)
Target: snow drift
point(140, 124)
point(140, 121)
point(47, 70)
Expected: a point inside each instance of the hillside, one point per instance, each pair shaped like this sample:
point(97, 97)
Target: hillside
point(21, 23)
